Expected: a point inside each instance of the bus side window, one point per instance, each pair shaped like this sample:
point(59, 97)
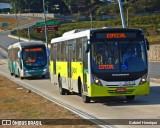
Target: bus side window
point(74, 50)
point(63, 51)
point(51, 55)
point(79, 50)
point(66, 51)
point(54, 52)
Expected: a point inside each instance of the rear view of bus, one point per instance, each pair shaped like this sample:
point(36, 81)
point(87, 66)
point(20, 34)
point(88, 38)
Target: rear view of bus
point(119, 65)
point(27, 59)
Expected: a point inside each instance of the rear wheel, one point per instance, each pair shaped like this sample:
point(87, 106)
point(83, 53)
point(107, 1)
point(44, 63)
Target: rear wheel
point(130, 97)
point(15, 75)
point(67, 92)
point(21, 78)
point(62, 91)
point(11, 74)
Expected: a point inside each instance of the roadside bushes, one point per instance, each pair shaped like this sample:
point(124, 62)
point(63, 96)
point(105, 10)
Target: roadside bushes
point(149, 24)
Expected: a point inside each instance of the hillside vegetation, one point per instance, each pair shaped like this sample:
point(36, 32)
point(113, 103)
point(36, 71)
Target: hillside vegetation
point(97, 7)
point(150, 27)
point(5, 1)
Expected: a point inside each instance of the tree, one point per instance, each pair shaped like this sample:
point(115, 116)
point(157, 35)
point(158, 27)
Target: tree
point(69, 4)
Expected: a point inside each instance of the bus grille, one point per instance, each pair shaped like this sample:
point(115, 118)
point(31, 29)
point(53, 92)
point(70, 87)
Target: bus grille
point(110, 86)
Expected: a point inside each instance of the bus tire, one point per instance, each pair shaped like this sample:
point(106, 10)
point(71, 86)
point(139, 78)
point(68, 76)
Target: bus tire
point(21, 78)
point(61, 90)
point(68, 92)
point(129, 98)
point(85, 98)
point(11, 73)
point(79, 88)
point(43, 76)
point(15, 75)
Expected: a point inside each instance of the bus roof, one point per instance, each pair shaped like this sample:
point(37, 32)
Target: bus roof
point(25, 44)
point(77, 33)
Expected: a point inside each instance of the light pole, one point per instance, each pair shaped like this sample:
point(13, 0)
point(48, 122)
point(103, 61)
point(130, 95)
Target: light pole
point(90, 14)
point(29, 38)
point(45, 26)
point(15, 11)
point(127, 16)
point(122, 15)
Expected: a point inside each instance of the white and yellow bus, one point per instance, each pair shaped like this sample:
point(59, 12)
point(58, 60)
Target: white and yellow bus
point(27, 59)
point(94, 63)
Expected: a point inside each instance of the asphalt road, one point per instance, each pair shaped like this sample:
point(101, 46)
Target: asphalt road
point(5, 41)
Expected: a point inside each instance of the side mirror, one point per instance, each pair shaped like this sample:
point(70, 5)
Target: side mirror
point(147, 43)
point(20, 55)
point(48, 52)
point(86, 47)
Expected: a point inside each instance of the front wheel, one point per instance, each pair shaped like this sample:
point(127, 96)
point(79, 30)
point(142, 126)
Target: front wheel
point(130, 97)
point(85, 98)
point(15, 75)
point(43, 76)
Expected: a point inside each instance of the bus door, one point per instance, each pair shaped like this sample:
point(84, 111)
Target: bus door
point(54, 58)
point(11, 58)
point(85, 64)
point(70, 51)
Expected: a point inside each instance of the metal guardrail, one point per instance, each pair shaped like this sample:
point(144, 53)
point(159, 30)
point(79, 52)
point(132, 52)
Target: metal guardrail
point(154, 52)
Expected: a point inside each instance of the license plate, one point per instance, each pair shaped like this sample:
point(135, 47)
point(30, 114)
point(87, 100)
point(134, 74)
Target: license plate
point(121, 90)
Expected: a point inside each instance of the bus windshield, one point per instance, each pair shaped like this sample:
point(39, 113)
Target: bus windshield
point(118, 56)
point(34, 57)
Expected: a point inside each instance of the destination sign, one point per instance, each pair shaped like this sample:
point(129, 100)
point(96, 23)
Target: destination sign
point(33, 49)
point(118, 35)
point(115, 35)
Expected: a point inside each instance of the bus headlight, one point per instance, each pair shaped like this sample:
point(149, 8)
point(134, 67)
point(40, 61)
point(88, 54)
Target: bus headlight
point(25, 70)
point(143, 79)
point(96, 80)
point(45, 69)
